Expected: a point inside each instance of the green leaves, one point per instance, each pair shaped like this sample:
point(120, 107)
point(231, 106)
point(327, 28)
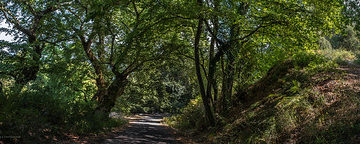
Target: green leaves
point(88, 44)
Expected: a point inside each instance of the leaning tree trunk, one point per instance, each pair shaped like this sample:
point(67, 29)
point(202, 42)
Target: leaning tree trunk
point(101, 84)
point(116, 89)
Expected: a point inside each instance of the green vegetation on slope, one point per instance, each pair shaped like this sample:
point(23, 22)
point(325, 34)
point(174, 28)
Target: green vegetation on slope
point(314, 101)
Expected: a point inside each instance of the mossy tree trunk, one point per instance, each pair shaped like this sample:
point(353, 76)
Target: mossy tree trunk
point(116, 89)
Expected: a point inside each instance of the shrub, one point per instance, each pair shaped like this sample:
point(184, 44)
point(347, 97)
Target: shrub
point(37, 114)
point(191, 117)
point(339, 55)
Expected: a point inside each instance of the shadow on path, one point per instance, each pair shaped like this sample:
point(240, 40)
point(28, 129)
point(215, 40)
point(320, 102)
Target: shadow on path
point(145, 129)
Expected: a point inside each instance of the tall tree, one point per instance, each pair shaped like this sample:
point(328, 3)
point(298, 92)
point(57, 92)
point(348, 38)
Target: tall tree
point(30, 22)
point(277, 24)
point(118, 38)
point(205, 97)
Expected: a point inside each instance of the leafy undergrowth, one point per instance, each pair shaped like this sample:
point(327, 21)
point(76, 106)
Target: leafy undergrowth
point(315, 102)
point(42, 116)
point(191, 123)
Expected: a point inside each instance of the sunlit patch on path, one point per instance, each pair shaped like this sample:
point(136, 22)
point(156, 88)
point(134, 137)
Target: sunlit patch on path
point(145, 129)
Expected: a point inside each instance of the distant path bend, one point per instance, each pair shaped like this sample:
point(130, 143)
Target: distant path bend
point(145, 129)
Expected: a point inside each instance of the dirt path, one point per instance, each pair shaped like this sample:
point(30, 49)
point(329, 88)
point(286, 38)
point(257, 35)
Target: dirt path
point(145, 129)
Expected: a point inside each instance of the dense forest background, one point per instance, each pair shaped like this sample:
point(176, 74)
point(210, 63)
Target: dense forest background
point(241, 71)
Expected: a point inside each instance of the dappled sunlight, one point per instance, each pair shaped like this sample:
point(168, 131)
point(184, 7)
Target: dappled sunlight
point(145, 128)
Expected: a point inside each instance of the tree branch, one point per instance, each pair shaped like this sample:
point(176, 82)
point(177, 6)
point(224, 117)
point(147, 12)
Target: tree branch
point(15, 21)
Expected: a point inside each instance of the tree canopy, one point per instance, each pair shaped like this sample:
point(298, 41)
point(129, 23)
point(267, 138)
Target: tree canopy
point(157, 55)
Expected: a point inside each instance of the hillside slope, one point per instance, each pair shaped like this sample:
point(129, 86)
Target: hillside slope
point(311, 100)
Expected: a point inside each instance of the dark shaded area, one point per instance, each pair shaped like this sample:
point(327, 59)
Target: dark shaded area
point(145, 129)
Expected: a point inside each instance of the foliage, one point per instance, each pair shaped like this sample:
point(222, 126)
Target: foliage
point(348, 39)
point(191, 117)
point(351, 40)
point(338, 55)
point(164, 89)
point(40, 113)
point(351, 11)
point(324, 43)
point(72, 62)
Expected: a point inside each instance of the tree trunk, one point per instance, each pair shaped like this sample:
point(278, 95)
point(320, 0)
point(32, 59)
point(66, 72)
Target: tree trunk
point(99, 68)
point(205, 98)
point(211, 73)
point(215, 88)
point(220, 103)
point(100, 81)
point(116, 89)
point(29, 73)
point(229, 71)
point(228, 81)
point(212, 63)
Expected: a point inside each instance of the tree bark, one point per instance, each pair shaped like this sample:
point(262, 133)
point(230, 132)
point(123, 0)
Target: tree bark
point(116, 89)
point(205, 98)
point(220, 103)
point(100, 81)
point(212, 62)
point(229, 71)
point(211, 72)
point(228, 80)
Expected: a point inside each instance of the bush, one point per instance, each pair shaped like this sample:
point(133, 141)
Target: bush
point(39, 114)
point(305, 58)
point(192, 117)
point(339, 55)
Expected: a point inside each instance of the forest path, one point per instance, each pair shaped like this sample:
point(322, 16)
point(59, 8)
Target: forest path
point(145, 129)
